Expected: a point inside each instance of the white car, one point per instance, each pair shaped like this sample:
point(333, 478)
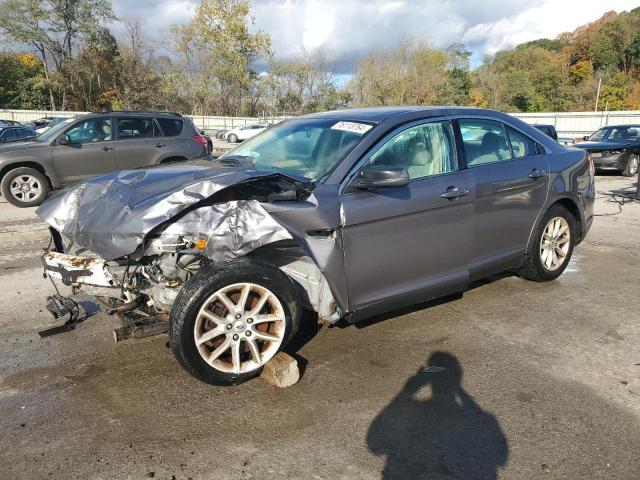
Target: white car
point(242, 133)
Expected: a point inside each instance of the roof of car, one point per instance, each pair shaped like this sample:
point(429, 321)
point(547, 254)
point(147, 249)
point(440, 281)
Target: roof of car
point(628, 125)
point(379, 114)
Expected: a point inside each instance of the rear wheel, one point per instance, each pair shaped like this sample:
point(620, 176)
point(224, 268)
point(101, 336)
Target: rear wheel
point(552, 246)
point(230, 319)
point(232, 138)
point(631, 170)
point(24, 187)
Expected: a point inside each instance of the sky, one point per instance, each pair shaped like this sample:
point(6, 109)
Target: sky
point(350, 28)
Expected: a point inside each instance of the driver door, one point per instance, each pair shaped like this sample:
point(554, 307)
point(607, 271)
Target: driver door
point(407, 244)
point(90, 151)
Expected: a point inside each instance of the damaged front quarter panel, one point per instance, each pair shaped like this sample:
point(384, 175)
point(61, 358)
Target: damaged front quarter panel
point(150, 230)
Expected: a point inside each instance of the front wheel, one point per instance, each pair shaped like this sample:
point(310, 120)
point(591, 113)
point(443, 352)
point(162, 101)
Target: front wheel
point(230, 319)
point(552, 246)
point(232, 138)
point(24, 187)
point(631, 170)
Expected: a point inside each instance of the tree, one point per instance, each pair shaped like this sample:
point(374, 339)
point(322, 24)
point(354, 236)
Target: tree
point(220, 53)
point(53, 28)
point(22, 83)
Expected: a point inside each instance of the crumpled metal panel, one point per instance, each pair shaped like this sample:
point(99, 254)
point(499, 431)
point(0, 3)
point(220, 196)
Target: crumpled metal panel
point(111, 214)
point(232, 229)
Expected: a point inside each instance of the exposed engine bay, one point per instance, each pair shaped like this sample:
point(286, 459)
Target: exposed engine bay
point(141, 286)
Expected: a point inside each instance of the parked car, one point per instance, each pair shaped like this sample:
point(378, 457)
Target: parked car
point(54, 121)
point(240, 134)
point(94, 144)
point(615, 147)
point(42, 122)
point(16, 134)
point(548, 130)
point(306, 215)
point(220, 133)
point(9, 123)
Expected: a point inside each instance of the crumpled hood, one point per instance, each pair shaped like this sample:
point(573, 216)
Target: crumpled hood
point(111, 214)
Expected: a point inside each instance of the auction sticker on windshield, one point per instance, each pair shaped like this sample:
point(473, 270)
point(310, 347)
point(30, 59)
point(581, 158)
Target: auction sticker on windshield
point(354, 127)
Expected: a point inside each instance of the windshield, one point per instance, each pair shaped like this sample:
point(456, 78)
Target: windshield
point(308, 147)
point(615, 133)
point(52, 132)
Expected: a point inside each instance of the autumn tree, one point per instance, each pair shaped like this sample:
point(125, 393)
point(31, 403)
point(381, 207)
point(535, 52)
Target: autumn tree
point(54, 29)
point(220, 53)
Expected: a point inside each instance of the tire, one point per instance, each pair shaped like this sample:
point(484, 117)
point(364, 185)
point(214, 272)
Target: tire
point(199, 295)
point(631, 170)
point(536, 263)
point(24, 187)
point(232, 138)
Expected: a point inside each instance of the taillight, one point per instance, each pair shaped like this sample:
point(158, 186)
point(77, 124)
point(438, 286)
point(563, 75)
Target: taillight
point(200, 139)
point(592, 167)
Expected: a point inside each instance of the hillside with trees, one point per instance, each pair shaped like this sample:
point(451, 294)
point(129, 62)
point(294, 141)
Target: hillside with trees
point(62, 55)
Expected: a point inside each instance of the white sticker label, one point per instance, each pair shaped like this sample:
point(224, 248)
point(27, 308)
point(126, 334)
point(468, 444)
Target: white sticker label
point(354, 127)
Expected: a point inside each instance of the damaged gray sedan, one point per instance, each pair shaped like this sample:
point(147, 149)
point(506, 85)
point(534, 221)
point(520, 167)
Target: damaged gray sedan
point(347, 214)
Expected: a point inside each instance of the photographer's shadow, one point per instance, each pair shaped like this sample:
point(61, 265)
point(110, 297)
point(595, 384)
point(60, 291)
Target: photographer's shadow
point(444, 434)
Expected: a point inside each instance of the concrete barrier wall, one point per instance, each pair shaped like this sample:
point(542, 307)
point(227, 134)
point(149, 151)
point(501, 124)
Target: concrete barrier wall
point(568, 124)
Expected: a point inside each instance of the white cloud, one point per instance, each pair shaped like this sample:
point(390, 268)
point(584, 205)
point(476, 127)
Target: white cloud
point(350, 28)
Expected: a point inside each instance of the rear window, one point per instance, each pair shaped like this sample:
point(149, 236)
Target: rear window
point(171, 127)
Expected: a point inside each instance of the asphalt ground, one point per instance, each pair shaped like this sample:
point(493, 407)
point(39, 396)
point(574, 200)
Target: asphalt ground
point(512, 379)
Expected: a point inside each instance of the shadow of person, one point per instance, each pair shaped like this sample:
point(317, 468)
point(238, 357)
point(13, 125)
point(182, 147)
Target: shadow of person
point(444, 435)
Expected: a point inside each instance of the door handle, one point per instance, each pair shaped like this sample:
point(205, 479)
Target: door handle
point(160, 145)
point(455, 192)
point(536, 174)
point(107, 149)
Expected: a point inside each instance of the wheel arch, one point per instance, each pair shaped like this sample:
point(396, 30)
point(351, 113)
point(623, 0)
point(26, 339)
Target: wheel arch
point(173, 158)
point(572, 206)
point(35, 165)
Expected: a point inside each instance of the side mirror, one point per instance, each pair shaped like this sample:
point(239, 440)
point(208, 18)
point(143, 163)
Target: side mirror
point(586, 137)
point(64, 140)
point(381, 176)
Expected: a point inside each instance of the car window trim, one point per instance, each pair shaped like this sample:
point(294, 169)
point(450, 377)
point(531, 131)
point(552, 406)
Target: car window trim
point(55, 142)
point(357, 166)
point(536, 143)
point(134, 138)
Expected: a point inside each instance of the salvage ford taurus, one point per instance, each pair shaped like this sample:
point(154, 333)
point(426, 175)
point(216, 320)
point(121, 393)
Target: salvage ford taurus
point(347, 214)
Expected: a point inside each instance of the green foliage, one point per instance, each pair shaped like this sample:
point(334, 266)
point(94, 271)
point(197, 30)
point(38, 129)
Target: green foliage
point(22, 83)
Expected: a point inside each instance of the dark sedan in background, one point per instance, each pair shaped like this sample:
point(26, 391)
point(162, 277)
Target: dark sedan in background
point(18, 133)
point(615, 147)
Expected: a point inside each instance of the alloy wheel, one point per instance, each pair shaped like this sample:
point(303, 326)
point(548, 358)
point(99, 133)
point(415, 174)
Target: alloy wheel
point(25, 188)
point(239, 328)
point(555, 243)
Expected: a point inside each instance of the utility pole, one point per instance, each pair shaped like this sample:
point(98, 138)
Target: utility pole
point(598, 94)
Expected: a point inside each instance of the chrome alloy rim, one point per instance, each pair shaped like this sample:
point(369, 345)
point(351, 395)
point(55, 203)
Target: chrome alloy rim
point(554, 244)
point(25, 188)
point(239, 328)
point(633, 168)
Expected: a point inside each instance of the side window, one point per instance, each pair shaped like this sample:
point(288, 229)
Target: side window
point(521, 145)
point(171, 127)
point(23, 133)
point(92, 130)
point(424, 150)
point(136, 128)
point(484, 142)
point(9, 134)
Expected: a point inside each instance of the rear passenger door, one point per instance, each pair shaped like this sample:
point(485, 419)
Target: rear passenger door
point(138, 142)
point(511, 173)
point(178, 145)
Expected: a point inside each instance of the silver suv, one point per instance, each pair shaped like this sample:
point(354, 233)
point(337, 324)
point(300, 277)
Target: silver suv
point(94, 144)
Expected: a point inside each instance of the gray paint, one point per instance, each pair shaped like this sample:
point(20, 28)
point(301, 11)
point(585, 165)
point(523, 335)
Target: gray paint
point(377, 249)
